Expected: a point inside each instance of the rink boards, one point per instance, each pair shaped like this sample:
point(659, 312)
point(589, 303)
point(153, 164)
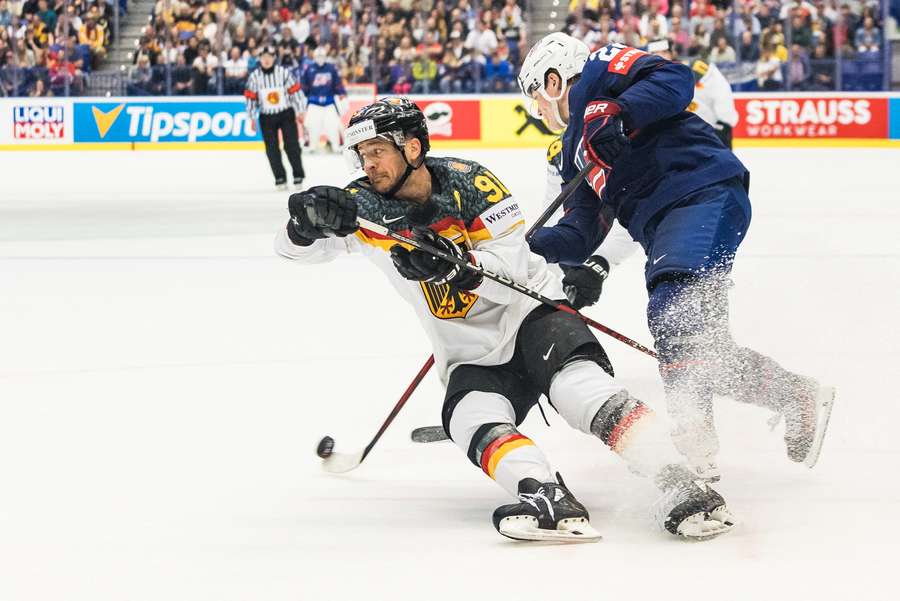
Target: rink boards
point(485, 121)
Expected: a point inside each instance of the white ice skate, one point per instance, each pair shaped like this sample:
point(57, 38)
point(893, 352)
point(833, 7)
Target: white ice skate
point(806, 421)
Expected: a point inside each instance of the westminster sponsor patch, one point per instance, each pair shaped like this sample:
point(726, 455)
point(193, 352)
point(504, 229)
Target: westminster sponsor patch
point(501, 217)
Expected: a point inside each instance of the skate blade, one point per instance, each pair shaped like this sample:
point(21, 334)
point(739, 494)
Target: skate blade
point(701, 526)
point(824, 405)
point(567, 531)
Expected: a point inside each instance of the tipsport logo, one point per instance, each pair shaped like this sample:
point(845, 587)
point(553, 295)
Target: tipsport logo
point(163, 122)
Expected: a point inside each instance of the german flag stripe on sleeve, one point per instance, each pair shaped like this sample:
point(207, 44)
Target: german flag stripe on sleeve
point(250, 94)
point(294, 88)
point(499, 448)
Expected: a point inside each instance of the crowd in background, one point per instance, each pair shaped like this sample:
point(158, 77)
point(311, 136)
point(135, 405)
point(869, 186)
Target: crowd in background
point(48, 46)
point(424, 46)
point(785, 43)
point(405, 46)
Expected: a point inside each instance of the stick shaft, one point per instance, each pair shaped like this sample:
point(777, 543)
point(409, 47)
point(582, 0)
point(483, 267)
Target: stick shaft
point(501, 279)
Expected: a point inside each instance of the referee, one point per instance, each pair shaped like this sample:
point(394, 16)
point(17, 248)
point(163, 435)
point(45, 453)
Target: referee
point(272, 93)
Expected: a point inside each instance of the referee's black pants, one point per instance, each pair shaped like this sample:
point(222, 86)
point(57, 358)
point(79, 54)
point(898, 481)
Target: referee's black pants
point(286, 122)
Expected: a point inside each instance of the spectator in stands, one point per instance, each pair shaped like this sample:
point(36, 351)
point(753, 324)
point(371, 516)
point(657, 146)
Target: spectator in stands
point(678, 35)
point(719, 31)
point(182, 80)
point(798, 68)
point(512, 30)
point(868, 37)
point(499, 73)
point(702, 13)
point(23, 56)
point(628, 19)
point(6, 14)
point(448, 69)
point(141, 77)
point(472, 71)
point(203, 70)
point(822, 70)
point(235, 69)
point(424, 73)
point(748, 49)
point(722, 53)
point(482, 39)
point(401, 77)
point(39, 89)
point(653, 25)
point(768, 70)
point(92, 37)
point(801, 31)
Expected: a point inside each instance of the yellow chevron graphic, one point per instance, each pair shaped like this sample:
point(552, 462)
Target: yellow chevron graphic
point(105, 120)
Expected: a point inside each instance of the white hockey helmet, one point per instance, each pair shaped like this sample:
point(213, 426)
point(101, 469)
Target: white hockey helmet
point(558, 52)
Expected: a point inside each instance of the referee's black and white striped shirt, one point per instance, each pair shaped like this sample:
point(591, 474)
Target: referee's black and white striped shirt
point(273, 92)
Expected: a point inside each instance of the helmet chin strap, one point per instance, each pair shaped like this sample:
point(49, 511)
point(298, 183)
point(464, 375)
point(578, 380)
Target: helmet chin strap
point(406, 173)
point(554, 102)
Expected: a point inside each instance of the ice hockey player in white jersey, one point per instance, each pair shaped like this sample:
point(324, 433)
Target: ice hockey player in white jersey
point(584, 283)
point(496, 350)
point(713, 98)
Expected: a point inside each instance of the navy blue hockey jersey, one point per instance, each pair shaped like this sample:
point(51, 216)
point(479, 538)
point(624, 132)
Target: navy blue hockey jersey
point(321, 83)
point(672, 152)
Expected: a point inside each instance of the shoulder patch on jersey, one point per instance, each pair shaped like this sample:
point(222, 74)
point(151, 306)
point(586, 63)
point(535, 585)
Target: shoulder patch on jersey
point(554, 149)
point(622, 64)
point(461, 167)
point(501, 217)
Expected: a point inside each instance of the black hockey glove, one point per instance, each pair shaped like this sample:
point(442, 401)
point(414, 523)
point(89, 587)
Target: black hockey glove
point(723, 131)
point(422, 266)
point(583, 283)
point(604, 133)
point(321, 212)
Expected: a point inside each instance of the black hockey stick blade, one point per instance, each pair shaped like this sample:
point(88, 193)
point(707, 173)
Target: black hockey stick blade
point(429, 434)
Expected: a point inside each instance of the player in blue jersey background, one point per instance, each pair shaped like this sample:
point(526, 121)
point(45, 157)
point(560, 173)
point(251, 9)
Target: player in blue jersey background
point(325, 93)
point(665, 176)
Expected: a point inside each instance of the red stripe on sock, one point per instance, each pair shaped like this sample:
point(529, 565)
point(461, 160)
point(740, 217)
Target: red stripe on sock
point(625, 423)
point(492, 448)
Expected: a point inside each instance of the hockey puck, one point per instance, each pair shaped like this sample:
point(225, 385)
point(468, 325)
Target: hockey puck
point(326, 446)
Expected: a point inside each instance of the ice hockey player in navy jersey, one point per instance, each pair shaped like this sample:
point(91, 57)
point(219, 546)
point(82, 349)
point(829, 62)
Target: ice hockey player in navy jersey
point(684, 197)
point(325, 92)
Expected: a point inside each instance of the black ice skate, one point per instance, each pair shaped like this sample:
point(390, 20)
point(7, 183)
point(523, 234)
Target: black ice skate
point(689, 507)
point(806, 414)
point(546, 512)
point(298, 182)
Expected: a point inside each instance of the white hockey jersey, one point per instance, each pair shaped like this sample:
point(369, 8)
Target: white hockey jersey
point(713, 99)
point(477, 212)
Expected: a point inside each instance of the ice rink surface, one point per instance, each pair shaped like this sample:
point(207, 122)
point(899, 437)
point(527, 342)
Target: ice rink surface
point(164, 379)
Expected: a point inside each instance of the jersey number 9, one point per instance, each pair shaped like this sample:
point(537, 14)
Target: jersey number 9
point(490, 185)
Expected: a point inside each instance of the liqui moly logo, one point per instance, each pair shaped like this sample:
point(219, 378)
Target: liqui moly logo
point(38, 122)
point(814, 118)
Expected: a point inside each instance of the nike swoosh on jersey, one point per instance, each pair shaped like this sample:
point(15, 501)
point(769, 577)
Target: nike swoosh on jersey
point(387, 221)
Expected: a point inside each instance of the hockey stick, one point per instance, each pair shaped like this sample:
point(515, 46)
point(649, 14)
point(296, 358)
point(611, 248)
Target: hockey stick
point(502, 280)
point(344, 462)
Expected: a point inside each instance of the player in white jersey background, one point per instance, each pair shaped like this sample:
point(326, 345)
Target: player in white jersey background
point(713, 98)
point(496, 350)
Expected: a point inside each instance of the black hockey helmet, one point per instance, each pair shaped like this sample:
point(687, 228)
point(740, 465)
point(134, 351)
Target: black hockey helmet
point(395, 120)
